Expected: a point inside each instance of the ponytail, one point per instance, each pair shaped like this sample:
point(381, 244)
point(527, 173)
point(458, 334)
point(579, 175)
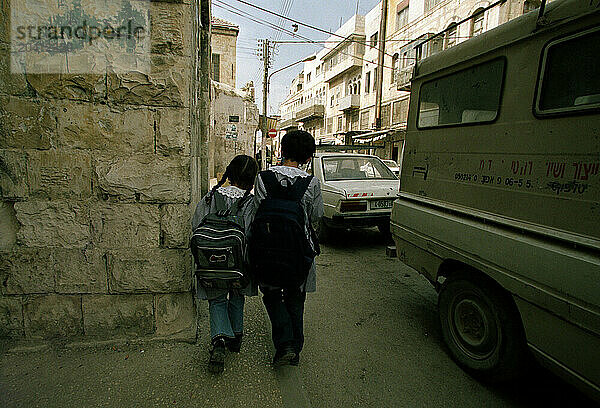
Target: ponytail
point(219, 184)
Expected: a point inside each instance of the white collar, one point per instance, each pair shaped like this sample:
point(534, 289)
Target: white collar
point(232, 191)
point(289, 171)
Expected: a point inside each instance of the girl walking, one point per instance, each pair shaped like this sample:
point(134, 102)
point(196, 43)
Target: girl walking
point(226, 306)
point(284, 301)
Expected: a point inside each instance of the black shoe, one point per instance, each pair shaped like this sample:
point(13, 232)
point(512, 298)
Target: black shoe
point(283, 357)
point(296, 360)
point(234, 345)
point(216, 363)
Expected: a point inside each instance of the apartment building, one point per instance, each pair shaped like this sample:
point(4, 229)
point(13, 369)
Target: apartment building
point(334, 96)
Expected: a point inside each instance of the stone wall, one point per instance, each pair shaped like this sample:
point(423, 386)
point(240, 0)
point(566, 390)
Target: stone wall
point(97, 178)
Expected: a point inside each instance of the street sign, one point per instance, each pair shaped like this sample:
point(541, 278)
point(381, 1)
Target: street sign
point(272, 133)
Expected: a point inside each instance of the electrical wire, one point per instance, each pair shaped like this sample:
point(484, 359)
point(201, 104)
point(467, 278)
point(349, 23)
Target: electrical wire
point(304, 24)
point(257, 20)
point(271, 25)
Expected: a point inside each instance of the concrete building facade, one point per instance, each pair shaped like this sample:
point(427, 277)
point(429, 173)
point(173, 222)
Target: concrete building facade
point(223, 54)
point(234, 114)
point(337, 99)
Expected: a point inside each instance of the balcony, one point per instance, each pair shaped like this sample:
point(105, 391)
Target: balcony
point(348, 62)
point(403, 79)
point(311, 109)
point(345, 56)
point(288, 121)
point(349, 102)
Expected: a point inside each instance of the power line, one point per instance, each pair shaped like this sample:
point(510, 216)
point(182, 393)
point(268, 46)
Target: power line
point(303, 24)
point(250, 17)
point(272, 26)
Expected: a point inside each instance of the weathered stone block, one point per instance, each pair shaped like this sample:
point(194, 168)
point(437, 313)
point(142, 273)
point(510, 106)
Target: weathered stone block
point(175, 314)
point(173, 134)
point(5, 22)
point(11, 317)
point(27, 271)
point(116, 315)
point(53, 224)
point(12, 84)
point(26, 123)
point(147, 178)
point(55, 174)
point(51, 316)
point(170, 28)
point(149, 270)
point(125, 225)
point(98, 127)
point(175, 225)
point(8, 226)
point(80, 271)
point(13, 174)
point(77, 87)
point(168, 84)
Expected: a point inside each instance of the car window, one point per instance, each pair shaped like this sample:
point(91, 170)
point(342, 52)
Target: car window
point(565, 86)
point(355, 168)
point(468, 96)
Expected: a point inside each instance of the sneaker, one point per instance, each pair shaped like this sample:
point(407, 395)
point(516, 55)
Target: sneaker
point(283, 357)
point(216, 364)
point(234, 345)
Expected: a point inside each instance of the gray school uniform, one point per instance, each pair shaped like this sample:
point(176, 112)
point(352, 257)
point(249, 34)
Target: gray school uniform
point(231, 194)
point(312, 202)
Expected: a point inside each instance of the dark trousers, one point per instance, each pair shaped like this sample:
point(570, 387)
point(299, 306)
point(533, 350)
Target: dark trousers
point(286, 310)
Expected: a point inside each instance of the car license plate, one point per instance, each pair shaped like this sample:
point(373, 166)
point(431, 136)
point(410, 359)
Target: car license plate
point(381, 204)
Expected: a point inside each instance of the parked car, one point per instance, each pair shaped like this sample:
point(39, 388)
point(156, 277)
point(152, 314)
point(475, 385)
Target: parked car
point(358, 190)
point(393, 166)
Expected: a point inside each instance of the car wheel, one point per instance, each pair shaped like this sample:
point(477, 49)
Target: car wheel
point(323, 231)
point(482, 328)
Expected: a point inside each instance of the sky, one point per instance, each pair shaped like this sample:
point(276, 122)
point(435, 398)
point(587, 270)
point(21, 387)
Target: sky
point(324, 14)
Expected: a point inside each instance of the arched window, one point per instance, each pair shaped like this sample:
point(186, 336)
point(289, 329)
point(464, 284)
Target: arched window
point(477, 22)
point(395, 68)
point(451, 35)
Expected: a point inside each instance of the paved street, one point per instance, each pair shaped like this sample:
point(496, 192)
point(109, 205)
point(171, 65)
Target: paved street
point(372, 340)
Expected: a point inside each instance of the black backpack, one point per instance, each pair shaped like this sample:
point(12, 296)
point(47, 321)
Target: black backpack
point(219, 244)
point(280, 253)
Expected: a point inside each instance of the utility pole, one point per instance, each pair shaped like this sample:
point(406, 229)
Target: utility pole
point(380, 59)
point(264, 130)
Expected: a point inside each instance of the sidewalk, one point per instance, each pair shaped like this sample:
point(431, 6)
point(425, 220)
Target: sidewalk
point(150, 374)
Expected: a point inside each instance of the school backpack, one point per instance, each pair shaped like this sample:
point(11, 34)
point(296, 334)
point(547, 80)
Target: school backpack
point(280, 253)
point(218, 246)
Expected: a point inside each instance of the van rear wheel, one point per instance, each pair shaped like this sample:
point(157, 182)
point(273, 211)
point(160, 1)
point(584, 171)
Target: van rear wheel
point(482, 328)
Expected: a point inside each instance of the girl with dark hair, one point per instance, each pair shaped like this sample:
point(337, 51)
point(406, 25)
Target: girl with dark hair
point(285, 306)
point(226, 307)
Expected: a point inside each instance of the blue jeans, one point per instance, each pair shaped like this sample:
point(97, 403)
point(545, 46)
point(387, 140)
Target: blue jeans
point(286, 312)
point(226, 315)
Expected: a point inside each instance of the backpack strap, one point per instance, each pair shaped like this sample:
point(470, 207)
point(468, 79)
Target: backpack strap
point(299, 187)
point(272, 185)
point(239, 204)
point(220, 204)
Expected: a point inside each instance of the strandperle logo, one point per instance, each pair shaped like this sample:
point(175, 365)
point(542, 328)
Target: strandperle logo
point(80, 36)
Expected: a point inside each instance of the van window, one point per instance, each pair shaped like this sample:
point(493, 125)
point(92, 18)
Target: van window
point(468, 96)
point(565, 85)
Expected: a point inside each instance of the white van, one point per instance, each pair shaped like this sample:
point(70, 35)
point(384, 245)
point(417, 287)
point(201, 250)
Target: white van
point(500, 193)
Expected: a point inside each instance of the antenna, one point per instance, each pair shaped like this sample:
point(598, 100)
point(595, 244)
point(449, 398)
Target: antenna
point(357, 3)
